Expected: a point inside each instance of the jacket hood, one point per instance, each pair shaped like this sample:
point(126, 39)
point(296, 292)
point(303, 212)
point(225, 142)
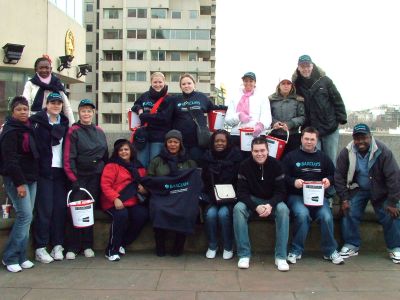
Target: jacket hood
point(316, 74)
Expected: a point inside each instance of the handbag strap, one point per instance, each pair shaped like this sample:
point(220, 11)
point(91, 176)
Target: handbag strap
point(194, 119)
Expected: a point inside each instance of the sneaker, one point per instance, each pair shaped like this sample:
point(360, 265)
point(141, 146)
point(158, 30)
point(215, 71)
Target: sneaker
point(244, 263)
point(211, 253)
point(122, 250)
point(70, 255)
point(114, 257)
point(281, 264)
point(27, 264)
point(292, 258)
point(88, 253)
point(43, 256)
point(57, 252)
point(12, 268)
point(336, 258)
point(227, 254)
point(346, 252)
point(395, 256)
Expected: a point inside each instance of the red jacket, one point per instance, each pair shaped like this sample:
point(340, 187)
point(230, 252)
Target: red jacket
point(113, 180)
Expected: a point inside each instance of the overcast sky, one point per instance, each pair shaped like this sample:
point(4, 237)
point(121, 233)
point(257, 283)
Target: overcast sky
point(356, 42)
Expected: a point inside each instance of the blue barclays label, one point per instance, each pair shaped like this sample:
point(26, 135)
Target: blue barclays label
point(147, 103)
point(177, 185)
point(189, 103)
point(303, 164)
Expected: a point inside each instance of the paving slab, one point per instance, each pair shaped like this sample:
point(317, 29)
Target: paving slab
point(13, 293)
point(348, 295)
point(245, 296)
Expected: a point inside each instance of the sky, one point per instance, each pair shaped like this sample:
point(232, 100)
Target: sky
point(356, 42)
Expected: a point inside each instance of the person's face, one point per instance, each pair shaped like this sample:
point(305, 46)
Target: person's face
point(362, 142)
point(305, 69)
point(220, 142)
point(284, 87)
point(309, 141)
point(173, 146)
point(21, 113)
point(43, 68)
point(125, 153)
point(86, 114)
point(187, 85)
point(249, 84)
point(54, 107)
point(157, 83)
point(259, 153)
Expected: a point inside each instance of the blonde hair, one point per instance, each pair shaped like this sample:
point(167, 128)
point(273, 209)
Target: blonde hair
point(157, 74)
point(186, 75)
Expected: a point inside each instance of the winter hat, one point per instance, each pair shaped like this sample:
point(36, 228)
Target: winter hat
point(174, 134)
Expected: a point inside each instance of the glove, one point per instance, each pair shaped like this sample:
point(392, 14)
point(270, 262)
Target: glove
point(244, 118)
point(257, 129)
point(75, 187)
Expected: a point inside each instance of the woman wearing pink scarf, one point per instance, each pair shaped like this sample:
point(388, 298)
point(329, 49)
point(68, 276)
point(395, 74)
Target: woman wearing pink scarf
point(248, 109)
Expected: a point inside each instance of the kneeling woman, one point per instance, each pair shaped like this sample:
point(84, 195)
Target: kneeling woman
point(119, 185)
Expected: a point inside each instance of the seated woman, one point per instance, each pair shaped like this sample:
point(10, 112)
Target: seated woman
point(119, 199)
point(220, 166)
point(171, 159)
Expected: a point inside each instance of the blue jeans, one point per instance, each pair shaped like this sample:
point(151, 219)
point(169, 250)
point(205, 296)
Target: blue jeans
point(303, 216)
point(150, 151)
point(351, 222)
point(329, 145)
point(223, 216)
point(15, 250)
point(241, 214)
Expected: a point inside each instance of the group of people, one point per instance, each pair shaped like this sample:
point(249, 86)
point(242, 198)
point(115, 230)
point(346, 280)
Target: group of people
point(157, 175)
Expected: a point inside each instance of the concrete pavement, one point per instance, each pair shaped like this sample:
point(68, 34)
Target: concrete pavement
point(142, 275)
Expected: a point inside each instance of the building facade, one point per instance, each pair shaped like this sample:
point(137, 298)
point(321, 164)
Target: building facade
point(128, 40)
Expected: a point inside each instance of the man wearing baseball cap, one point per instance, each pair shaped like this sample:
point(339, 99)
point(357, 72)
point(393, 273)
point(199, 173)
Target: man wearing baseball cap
point(324, 107)
point(367, 170)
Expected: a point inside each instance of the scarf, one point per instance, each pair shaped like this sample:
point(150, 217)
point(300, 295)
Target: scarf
point(55, 85)
point(217, 162)
point(154, 95)
point(173, 160)
point(45, 80)
point(130, 166)
point(57, 131)
point(244, 105)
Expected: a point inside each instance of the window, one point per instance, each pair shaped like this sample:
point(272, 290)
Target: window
point(176, 14)
point(89, 48)
point(192, 56)
point(158, 13)
point(180, 34)
point(112, 55)
point(112, 76)
point(160, 33)
point(158, 55)
point(89, 7)
point(140, 13)
point(112, 97)
point(137, 55)
point(136, 34)
point(205, 10)
point(175, 56)
point(89, 27)
point(193, 14)
point(112, 13)
point(132, 97)
point(89, 88)
point(175, 77)
point(112, 118)
point(200, 34)
point(112, 34)
point(136, 76)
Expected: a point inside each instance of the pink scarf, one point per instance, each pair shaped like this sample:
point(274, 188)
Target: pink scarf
point(45, 80)
point(243, 105)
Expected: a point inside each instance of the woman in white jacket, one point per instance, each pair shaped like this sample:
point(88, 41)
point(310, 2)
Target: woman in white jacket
point(248, 109)
point(41, 85)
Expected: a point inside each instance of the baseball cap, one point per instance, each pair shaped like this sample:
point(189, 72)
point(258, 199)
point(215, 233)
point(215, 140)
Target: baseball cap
point(361, 129)
point(249, 75)
point(86, 102)
point(54, 97)
point(305, 59)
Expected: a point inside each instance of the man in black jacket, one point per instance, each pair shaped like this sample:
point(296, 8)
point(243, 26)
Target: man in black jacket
point(367, 170)
point(261, 191)
point(324, 107)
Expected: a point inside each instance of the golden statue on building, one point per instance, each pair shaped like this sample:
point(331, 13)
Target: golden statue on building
point(69, 43)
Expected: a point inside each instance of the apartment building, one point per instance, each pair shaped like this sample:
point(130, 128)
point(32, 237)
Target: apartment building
point(128, 40)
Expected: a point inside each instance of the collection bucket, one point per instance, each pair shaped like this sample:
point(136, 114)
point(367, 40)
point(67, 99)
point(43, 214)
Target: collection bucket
point(246, 137)
point(313, 193)
point(133, 120)
point(276, 146)
point(81, 211)
point(216, 120)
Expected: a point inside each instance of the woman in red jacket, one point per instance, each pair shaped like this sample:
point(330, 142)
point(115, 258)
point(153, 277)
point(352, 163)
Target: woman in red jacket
point(119, 199)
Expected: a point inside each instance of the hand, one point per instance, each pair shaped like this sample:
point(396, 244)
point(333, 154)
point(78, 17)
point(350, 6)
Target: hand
point(285, 127)
point(140, 111)
point(257, 129)
point(393, 211)
point(21, 191)
point(326, 183)
point(75, 187)
point(267, 211)
point(277, 125)
point(118, 204)
point(141, 189)
point(298, 183)
point(244, 118)
point(344, 208)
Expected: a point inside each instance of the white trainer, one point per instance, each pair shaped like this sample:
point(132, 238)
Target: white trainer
point(281, 264)
point(88, 253)
point(43, 256)
point(70, 255)
point(57, 252)
point(227, 254)
point(292, 258)
point(211, 253)
point(114, 257)
point(14, 268)
point(244, 263)
point(122, 250)
point(346, 252)
point(27, 264)
point(335, 258)
point(395, 256)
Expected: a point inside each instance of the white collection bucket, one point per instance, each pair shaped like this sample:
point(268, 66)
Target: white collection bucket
point(313, 193)
point(219, 121)
point(246, 137)
point(81, 211)
point(133, 119)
